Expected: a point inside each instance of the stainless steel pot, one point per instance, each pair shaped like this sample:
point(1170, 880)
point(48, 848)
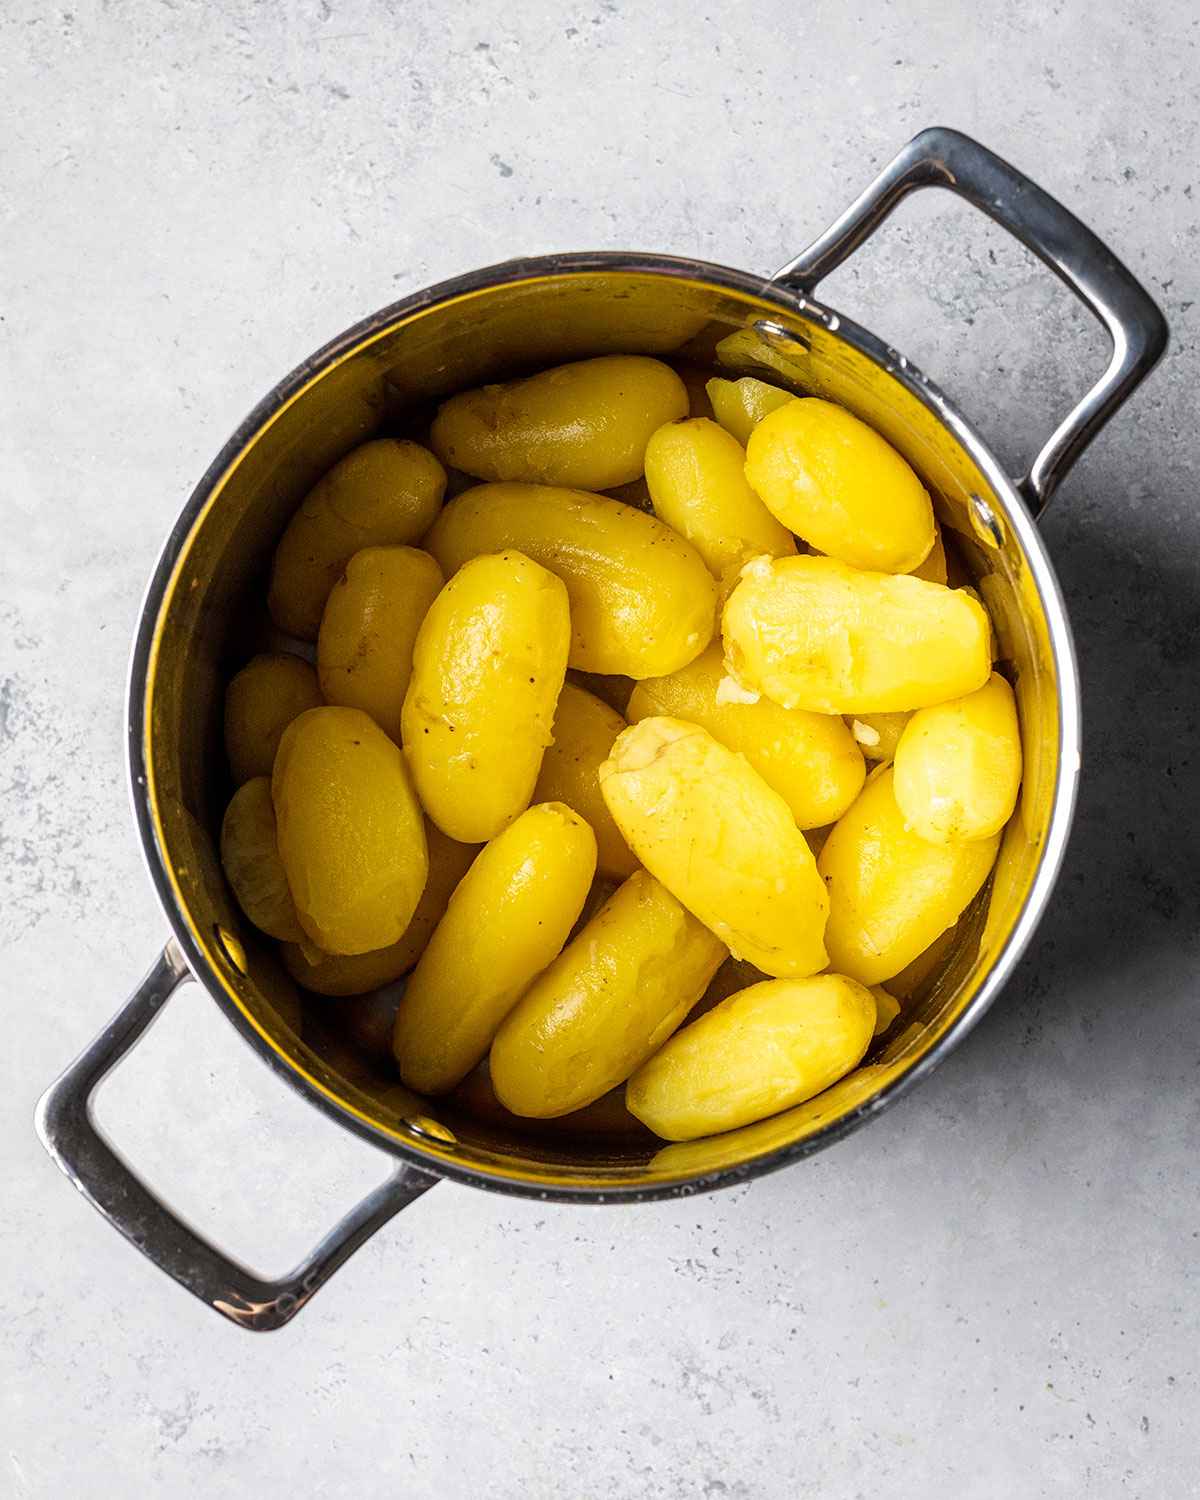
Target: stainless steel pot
point(481, 326)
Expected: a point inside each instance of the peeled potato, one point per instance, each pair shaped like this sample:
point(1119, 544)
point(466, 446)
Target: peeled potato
point(584, 730)
point(877, 735)
point(250, 859)
point(260, 702)
point(740, 405)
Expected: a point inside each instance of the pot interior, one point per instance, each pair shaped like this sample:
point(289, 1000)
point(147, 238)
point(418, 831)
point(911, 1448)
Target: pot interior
point(206, 617)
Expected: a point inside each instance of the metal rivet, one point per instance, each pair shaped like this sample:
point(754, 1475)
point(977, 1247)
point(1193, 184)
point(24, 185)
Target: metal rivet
point(985, 522)
point(423, 1125)
point(776, 336)
point(231, 949)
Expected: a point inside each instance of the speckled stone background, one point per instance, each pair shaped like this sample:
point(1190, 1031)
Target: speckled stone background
point(993, 1292)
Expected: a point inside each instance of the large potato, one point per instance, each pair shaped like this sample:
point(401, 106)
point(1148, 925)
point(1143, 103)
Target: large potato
point(260, 702)
point(705, 823)
point(606, 1003)
point(811, 632)
point(369, 627)
point(811, 760)
point(760, 1051)
point(250, 859)
point(740, 405)
point(384, 493)
point(835, 482)
point(508, 918)
point(958, 765)
point(584, 730)
point(351, 835)
point(584, 424)
point(488, 665)
point(891, 892)
point(642, 601)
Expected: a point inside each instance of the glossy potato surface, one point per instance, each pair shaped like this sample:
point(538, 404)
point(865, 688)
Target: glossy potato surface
point(384, 493)
point(488, 665)
point(609, 1000)
point(642, 601)
point(351, 835)
point(760, 1051)
point(585, 424)
point(740, 405)
point(584, 730)
point(811, 632)
point(250, 859)
point(705, 823)
point(508, 918)
point(260, 702)
point(837, 483)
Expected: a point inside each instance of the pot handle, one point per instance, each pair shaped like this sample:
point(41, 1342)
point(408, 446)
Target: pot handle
point(67, 1130)
point(945, 158)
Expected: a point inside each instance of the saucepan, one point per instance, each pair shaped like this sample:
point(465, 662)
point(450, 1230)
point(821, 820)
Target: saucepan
point(383, 376)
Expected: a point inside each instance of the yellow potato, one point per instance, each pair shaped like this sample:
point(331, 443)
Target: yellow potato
point(585, 425)
point(933, 568)
point(584, 730)
point(260, 702)
point(351, 835)
point(811, 760)
point(877, 735)
point(487, 669)
point(612, 690)
point(695, 473)
point(606, 1003)
point(606, 1116)
point(508, 918)
point(891, 892)
point(760, 1051)
point(835, 482)
point(642, 601)
point(887, 1008)
point(250, 858)
point(370, 624)
point(357, 973)
point(740, 405)
point(958, 765)
point(704, 822)
point(384, 493)
point(810, 632)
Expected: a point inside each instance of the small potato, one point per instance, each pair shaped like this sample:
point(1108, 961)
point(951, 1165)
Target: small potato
point(740, 405)
point(695, 472)
point(877, 735)
point(705, 823)
point(370, 624)
point(250, 859)
point(891, 892)
point(260, 702)
point(585, 425)
point(606, 1003)
point(357, 973)
point(384, 493)
point(351, 835)
point(642, 601)
point(487, 670)
point(508, 918)
point(835, 482)
point(763, 1050)
point(811, 760)
point(811, 632)
point(887, 1008)
point(958, 765)
point(584, 730)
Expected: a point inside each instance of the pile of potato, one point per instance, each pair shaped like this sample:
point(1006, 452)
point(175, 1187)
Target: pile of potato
point(539, 702)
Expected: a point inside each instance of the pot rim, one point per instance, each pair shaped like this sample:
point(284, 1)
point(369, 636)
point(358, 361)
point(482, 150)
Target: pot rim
point(866, 343)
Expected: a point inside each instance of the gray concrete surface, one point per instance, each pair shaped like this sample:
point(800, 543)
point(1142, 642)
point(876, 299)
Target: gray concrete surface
point(991, 1294)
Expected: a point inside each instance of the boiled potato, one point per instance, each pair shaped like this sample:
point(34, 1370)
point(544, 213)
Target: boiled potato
point(958, 765)
point(370, 624)
point(508, 918)
point(695, 473)
point(760, 1051)
point(887, 1008)
point(740, 405)
point(356, 973)
point(705, 823)
point(877, 735)
point(933, 568)
point(606, 1116)
point(351, 835)
point(260, 702)
point(250, 859)
point(585, 425)
point(606, 1003)
point(384, 493)
point(811, 760)
point(835, 482)
point(811, 632)
point(584, 730)
point(891, 892)
point(488, 665)
point(642, 601)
